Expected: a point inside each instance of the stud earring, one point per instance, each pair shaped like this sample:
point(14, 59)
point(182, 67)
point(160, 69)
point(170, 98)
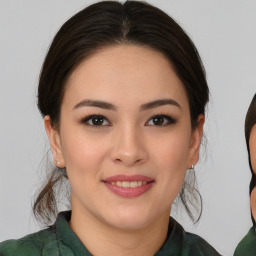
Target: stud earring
point(58, 163)
point(192, 168)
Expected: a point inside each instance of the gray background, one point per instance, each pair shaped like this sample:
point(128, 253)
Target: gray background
point(224, 33)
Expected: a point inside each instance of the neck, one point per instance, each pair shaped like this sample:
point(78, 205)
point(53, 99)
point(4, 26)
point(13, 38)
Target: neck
point(102, 239)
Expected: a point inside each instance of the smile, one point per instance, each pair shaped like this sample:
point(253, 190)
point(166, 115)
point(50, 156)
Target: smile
point(129, 186)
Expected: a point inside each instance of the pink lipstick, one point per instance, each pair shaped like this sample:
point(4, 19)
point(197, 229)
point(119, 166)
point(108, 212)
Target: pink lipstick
point(129, 185)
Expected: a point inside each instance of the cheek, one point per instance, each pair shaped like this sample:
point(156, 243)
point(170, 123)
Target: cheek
point(172, 157)
point(84, 158)
point(172, 162)
point(173, 151)
point(83, 154)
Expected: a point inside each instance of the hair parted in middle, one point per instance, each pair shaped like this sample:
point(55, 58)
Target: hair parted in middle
point(110, 23)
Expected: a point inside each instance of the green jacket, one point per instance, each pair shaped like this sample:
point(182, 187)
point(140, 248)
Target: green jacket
point(60, 240)
point(247, 246)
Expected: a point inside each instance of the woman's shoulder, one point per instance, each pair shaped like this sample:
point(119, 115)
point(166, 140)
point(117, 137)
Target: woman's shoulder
point(247, 246)
point(198, 246)
point(189, 244)
point(40, 243)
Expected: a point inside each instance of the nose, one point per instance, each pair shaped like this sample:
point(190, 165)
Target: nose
point(129, 147)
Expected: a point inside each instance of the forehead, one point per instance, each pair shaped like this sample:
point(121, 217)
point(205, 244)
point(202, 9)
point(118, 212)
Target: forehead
point(126, 72)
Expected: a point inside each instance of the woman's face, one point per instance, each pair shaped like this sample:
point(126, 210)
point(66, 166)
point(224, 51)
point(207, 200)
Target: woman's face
point(125, 136)
point(252, 146)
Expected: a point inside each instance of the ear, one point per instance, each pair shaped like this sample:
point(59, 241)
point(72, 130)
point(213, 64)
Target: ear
point(253, 203)
point(195, 141)
point(54, 139)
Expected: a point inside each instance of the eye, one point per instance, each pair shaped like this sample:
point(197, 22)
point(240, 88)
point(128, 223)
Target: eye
point(161, 120)
point(95, 120)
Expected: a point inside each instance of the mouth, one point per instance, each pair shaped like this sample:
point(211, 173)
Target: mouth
point(129, 186)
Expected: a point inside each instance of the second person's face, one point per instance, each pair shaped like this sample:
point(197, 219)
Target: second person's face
point(252, 146)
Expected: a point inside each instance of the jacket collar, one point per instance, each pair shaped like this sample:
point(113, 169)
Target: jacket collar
point(69, 243)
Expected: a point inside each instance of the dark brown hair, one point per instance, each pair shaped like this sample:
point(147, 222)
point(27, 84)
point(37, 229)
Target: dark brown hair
point(250, 121)
point(112, 23)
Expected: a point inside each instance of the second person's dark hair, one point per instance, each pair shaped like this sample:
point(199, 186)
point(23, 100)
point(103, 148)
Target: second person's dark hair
point(250, 121)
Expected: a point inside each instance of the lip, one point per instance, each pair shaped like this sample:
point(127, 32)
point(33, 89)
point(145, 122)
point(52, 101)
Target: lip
point(128, 178)
point(129, 192)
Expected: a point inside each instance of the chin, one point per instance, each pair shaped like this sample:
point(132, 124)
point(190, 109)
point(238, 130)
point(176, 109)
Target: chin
point(130, 224)
point(130, 220)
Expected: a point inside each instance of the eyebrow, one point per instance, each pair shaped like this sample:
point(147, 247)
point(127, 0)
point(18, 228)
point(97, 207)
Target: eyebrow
point(95, 103)
point(109, 106)
point(158, 103)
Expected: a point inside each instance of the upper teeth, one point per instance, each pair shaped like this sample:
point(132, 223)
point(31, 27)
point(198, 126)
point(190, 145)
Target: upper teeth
point(129, 184)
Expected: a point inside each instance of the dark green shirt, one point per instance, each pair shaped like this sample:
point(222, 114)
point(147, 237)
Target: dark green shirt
point(60, 240)
point(247, 246)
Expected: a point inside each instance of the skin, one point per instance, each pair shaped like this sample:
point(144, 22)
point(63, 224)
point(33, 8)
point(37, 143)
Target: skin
point(252, 146)
point(127, 143)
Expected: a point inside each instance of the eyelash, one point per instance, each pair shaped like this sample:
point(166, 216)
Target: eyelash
point(168, 120)
point(90, 117)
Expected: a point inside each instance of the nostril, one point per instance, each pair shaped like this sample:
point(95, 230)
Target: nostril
point(128, 156)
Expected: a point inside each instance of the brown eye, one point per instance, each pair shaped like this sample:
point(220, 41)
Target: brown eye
point(161, 120)
point(158, 120)
point(95, 120)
